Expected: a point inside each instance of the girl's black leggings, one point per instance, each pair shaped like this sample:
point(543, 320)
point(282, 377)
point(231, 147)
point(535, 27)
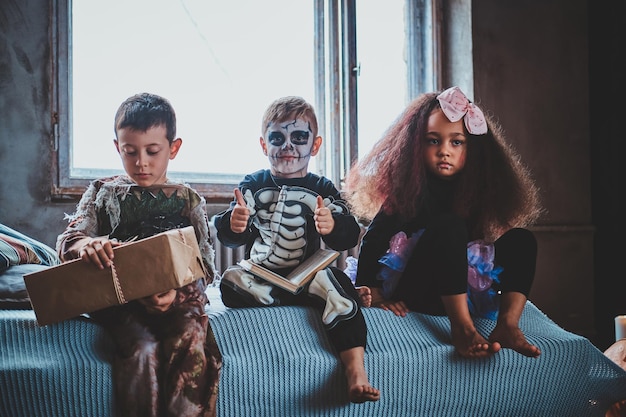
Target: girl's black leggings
point(438, 264)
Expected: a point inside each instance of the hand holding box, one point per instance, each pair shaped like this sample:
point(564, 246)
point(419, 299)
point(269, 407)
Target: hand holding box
point(149, 266)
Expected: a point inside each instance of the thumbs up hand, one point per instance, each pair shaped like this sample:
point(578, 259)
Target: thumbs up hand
point(324, 222)
point(240, 215)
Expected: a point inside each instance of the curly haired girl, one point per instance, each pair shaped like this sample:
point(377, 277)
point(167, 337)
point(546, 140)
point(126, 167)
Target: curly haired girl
point(448, 201)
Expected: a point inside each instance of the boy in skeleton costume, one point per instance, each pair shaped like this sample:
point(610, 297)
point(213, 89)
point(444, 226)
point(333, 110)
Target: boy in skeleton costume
point(282, 214)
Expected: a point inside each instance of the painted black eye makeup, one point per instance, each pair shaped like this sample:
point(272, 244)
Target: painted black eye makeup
point(276, 138)
point(299, 137)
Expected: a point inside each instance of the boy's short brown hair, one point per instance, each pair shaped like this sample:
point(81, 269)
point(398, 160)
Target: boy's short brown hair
point(289, 108)
point(144, 111)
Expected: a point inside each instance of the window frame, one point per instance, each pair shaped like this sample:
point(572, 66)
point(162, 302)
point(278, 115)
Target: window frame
point(336, 76)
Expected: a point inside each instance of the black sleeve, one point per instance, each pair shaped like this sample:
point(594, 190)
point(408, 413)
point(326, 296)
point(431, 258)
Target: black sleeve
point(346, 233)
point(226, 236)
point(221, 220)
point(374, 244)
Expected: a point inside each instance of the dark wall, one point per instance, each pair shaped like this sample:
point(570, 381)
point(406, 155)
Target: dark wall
point(537, 67)
point(551, 69)
point(531, 72)
point(607, 85)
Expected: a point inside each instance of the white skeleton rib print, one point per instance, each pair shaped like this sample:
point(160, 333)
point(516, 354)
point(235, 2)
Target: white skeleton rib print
point(281, 220)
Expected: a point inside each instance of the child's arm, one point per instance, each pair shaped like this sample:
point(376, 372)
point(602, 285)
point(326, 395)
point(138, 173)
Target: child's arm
point(97, 250)
point(233, 224)
point(83, 238)
point(338, 228)
point(324, 222)
point(374, 244)
point(345, 231)
point(240, 214)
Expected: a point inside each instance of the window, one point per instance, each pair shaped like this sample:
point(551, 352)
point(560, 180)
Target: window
point(220, 64)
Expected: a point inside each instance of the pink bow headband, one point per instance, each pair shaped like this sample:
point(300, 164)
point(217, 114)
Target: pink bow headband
point(455, 105)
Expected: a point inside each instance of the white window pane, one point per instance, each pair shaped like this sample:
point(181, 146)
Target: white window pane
point(382, 82)
point(220, 63)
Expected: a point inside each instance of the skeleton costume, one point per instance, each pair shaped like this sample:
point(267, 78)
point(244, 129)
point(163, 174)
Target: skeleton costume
point(281, 234)
point(165, 364)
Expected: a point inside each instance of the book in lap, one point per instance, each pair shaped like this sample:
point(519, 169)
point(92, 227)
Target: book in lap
point(299, 277)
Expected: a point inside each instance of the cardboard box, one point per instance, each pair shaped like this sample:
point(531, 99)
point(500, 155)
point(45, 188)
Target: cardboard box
point(149, 266)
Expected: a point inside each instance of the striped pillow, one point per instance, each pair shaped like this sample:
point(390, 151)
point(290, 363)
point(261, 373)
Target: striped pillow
point(17, 249)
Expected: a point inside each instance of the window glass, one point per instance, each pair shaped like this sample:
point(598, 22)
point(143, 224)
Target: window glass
point(220, 63)
point(382, 83)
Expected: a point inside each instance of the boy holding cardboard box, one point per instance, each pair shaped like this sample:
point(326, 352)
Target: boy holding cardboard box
point(166, 360)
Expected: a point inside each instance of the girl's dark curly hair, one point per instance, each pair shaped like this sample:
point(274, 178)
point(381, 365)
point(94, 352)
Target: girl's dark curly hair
point(496, 191)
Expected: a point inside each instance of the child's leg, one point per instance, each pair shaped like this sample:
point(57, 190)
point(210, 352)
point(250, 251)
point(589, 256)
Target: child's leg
point(507, 332)
point(359, 388)
point(465, 338)
point(435, 282)
point(338, 305)
point(190, 368)
point(135, 363)
point(349, 337)
point(437, 266)
point(516, 253)
point(239, 288)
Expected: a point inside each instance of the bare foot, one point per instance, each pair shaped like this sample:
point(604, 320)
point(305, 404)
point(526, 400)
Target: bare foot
point(362, 393)
point(471, 344)
point(359, 388)
point(513, 338)
point(365, 295)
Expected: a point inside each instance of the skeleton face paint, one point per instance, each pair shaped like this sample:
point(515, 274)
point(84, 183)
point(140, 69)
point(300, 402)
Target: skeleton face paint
point(289, 147)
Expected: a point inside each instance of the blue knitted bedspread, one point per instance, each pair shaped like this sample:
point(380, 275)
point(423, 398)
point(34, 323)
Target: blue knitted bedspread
point(278, 362)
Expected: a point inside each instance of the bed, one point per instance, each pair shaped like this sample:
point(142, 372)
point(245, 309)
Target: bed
point(278, 362)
